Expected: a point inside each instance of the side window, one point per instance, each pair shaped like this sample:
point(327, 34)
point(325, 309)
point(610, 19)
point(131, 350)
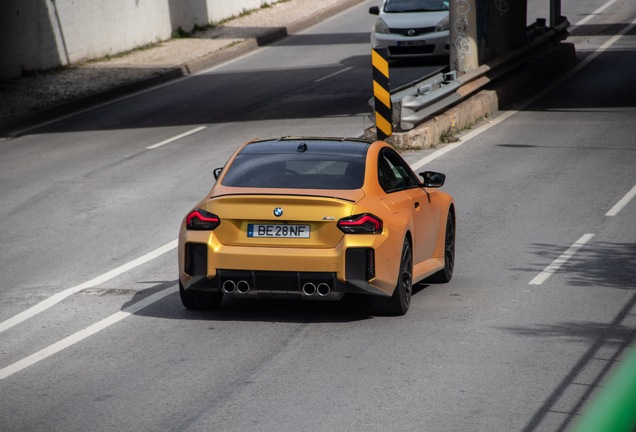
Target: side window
point(386, 176)
point(393, 173)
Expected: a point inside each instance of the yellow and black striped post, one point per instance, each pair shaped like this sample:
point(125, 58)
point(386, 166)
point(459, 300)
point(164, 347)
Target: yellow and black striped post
point(381, 89)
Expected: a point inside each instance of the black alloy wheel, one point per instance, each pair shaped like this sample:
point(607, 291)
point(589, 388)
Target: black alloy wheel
point(400, 301)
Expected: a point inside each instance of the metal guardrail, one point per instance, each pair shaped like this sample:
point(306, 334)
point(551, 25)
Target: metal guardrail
point(414, 103)
point(414, 88)
point(614, 409)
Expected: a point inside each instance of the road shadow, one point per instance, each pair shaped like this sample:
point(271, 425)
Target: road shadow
point(325, 39)
point(351, 308)
point(607, 342)
point(224, 97)
point(235, 97)
point(603, 88)
point(608, 29)
point(598, 264)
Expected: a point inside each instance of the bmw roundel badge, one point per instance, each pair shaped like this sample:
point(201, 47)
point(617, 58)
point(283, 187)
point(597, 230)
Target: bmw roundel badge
point(278, 212)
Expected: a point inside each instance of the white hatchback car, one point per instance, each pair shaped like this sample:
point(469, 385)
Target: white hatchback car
point(411, 28)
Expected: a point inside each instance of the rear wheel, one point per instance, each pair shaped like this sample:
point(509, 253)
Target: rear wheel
point(446, 273)
point(399, 302)
point(200, 299)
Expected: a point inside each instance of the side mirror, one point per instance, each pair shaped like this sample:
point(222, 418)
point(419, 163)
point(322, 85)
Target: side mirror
point(374, 10)
point(433, 179)
point(217, 173)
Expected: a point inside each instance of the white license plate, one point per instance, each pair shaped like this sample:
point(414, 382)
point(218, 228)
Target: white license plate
point(288, 231)
point(410, 43)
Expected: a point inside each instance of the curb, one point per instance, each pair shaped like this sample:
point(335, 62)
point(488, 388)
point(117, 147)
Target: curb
point(13, 127)
point(512, 86)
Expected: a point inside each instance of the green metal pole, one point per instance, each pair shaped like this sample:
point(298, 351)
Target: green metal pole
point(614, 409)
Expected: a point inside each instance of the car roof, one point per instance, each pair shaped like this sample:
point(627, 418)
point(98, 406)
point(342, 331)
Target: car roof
point(352, 147)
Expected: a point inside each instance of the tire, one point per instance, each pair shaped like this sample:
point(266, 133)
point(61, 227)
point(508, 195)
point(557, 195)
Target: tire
point(445, 275)
point(200, 299)
point(399, 302)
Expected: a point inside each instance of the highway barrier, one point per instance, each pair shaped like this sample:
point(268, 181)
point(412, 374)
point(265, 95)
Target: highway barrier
point(413, 105)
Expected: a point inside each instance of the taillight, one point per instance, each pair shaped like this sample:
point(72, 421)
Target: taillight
point(202, 220)
point(361, 224)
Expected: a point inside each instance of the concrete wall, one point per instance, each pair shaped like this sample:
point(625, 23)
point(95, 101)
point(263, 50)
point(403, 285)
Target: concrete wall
point(43, 34)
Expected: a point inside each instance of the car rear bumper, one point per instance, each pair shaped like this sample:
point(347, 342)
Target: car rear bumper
point(268, 272)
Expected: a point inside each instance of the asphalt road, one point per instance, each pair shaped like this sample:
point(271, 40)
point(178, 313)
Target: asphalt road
point(493, 350)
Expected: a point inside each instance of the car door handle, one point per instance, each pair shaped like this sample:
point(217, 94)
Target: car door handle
point(417, 205)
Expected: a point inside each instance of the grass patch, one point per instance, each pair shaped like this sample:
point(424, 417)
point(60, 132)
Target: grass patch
point(246, 12)
point(180, 33)
point(449, 135)
point(198, 28)
point(231, 45)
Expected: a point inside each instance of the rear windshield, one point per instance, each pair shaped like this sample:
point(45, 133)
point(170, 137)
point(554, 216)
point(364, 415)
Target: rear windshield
point(295, 171)
point(415, 5)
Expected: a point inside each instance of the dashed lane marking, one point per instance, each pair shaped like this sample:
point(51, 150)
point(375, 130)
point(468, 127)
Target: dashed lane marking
point(560, 261)
point(56, 298)
point(596, 12)
point(333, 74)
point(178, 137)
point(622, 203)
point(82, 334)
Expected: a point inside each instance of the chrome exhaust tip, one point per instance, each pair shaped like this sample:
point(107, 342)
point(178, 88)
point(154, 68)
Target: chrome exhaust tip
point(229, 287)
point(243, 287)
point(309, 289)
point(323, 290)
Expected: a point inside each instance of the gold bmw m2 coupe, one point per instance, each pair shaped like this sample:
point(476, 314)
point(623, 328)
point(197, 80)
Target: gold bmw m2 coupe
point(315, 219)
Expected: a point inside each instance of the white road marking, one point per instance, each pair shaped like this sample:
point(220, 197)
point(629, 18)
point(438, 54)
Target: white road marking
point(82, 334)
point(596, 12)
point(334, 74)
point(183, 135)
point(558, 263)
point(530, 100)
point(622, 203)
point(56, 298)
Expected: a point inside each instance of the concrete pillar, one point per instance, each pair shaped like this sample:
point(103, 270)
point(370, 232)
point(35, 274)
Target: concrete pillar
point(502, 27)
point(464, 55)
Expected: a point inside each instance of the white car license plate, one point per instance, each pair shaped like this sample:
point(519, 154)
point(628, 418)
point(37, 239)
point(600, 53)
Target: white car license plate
point(410, 43)
point(266, 230)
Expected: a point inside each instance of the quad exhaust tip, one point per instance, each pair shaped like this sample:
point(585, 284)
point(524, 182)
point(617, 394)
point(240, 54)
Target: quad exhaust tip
point(243, 287)
point(323, 289)
point(240, 287)
point(309, 289)
point(229, 287)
